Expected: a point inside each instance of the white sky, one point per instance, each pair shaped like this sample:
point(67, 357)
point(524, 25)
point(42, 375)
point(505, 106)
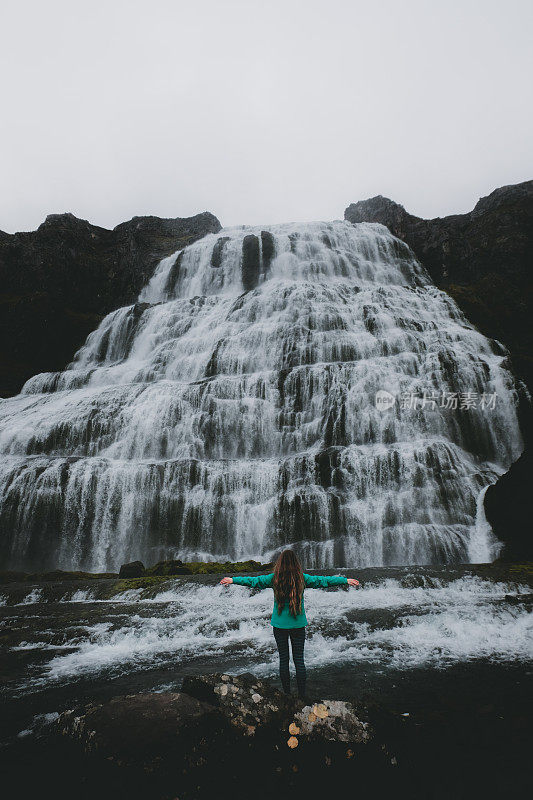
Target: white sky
point(260, 111)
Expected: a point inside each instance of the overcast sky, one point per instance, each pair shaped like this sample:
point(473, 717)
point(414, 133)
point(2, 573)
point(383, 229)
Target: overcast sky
point(260, 111)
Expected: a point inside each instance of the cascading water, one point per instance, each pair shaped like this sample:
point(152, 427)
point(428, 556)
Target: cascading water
point(231, 411)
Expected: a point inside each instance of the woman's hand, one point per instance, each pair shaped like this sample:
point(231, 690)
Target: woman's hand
point(226, 581)
point(351, 582)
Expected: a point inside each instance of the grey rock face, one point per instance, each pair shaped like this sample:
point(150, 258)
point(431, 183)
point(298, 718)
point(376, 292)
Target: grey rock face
point(496, 236)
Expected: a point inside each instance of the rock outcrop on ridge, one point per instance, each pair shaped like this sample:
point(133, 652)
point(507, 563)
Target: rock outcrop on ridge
point(56, 283)
point(484, 259)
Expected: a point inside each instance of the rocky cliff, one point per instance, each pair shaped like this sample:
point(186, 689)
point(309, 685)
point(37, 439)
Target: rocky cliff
point(58, 281)
point(484, 259)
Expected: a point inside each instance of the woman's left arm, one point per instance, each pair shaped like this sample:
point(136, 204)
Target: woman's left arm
point(323, 581)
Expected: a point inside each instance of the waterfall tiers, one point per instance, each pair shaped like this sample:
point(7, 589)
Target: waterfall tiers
point(231, 411)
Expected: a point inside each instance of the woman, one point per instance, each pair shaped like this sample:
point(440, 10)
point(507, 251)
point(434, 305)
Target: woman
point(288, 617)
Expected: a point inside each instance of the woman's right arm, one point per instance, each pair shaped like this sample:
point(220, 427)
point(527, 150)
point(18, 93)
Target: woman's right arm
point(256, 582)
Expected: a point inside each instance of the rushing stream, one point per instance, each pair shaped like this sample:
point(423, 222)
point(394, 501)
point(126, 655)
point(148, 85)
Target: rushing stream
point(232, 411)
point(67, 642)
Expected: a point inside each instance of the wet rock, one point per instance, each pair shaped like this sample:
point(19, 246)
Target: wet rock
point(173, 275)
point(135, 569)
point(251, 262)
point(238, 727)
point(519, 599)
point(268, 250)
point(218, 251)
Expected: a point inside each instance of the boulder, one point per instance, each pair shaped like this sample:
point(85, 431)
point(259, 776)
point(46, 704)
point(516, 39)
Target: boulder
point(332, 721)
point(135, 569)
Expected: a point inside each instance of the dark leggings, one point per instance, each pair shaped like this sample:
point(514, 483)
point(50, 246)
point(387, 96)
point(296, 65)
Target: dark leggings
point(297, 637)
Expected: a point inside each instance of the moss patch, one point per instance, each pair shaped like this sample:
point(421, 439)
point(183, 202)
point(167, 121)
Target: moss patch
point(126, 584)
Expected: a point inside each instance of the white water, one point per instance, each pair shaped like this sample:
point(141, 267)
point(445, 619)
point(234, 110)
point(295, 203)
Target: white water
point(205, 422)
point(385, 624)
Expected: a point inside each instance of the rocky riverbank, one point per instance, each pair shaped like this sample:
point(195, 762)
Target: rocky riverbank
point(226, 730)
point(232, 736)
point(222, 735)
point(162, 687)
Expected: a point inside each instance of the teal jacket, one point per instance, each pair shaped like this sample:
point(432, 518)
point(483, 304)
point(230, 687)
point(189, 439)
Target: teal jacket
point(283, 618)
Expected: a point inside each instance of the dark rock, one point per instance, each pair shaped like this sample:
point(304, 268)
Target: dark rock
point(169, 568)
point(508, 509)
point(293, 239)
point(519, 599)
point(268, 250)
point(252, 706)
point(327, 464)
point(53, 576)
point(332, 721)
point(251, 266)
point(218, 251)
point(60, 280)
point(10, 576)
point(135, 569)
point(173, 275)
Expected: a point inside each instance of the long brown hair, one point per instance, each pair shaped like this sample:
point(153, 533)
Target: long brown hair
point(288, 582)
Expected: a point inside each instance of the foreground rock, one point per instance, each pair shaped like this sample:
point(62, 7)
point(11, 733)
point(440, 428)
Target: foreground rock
point(238, 727)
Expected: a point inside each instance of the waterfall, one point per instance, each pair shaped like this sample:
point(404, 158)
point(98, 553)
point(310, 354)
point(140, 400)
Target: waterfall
point(232, 411)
